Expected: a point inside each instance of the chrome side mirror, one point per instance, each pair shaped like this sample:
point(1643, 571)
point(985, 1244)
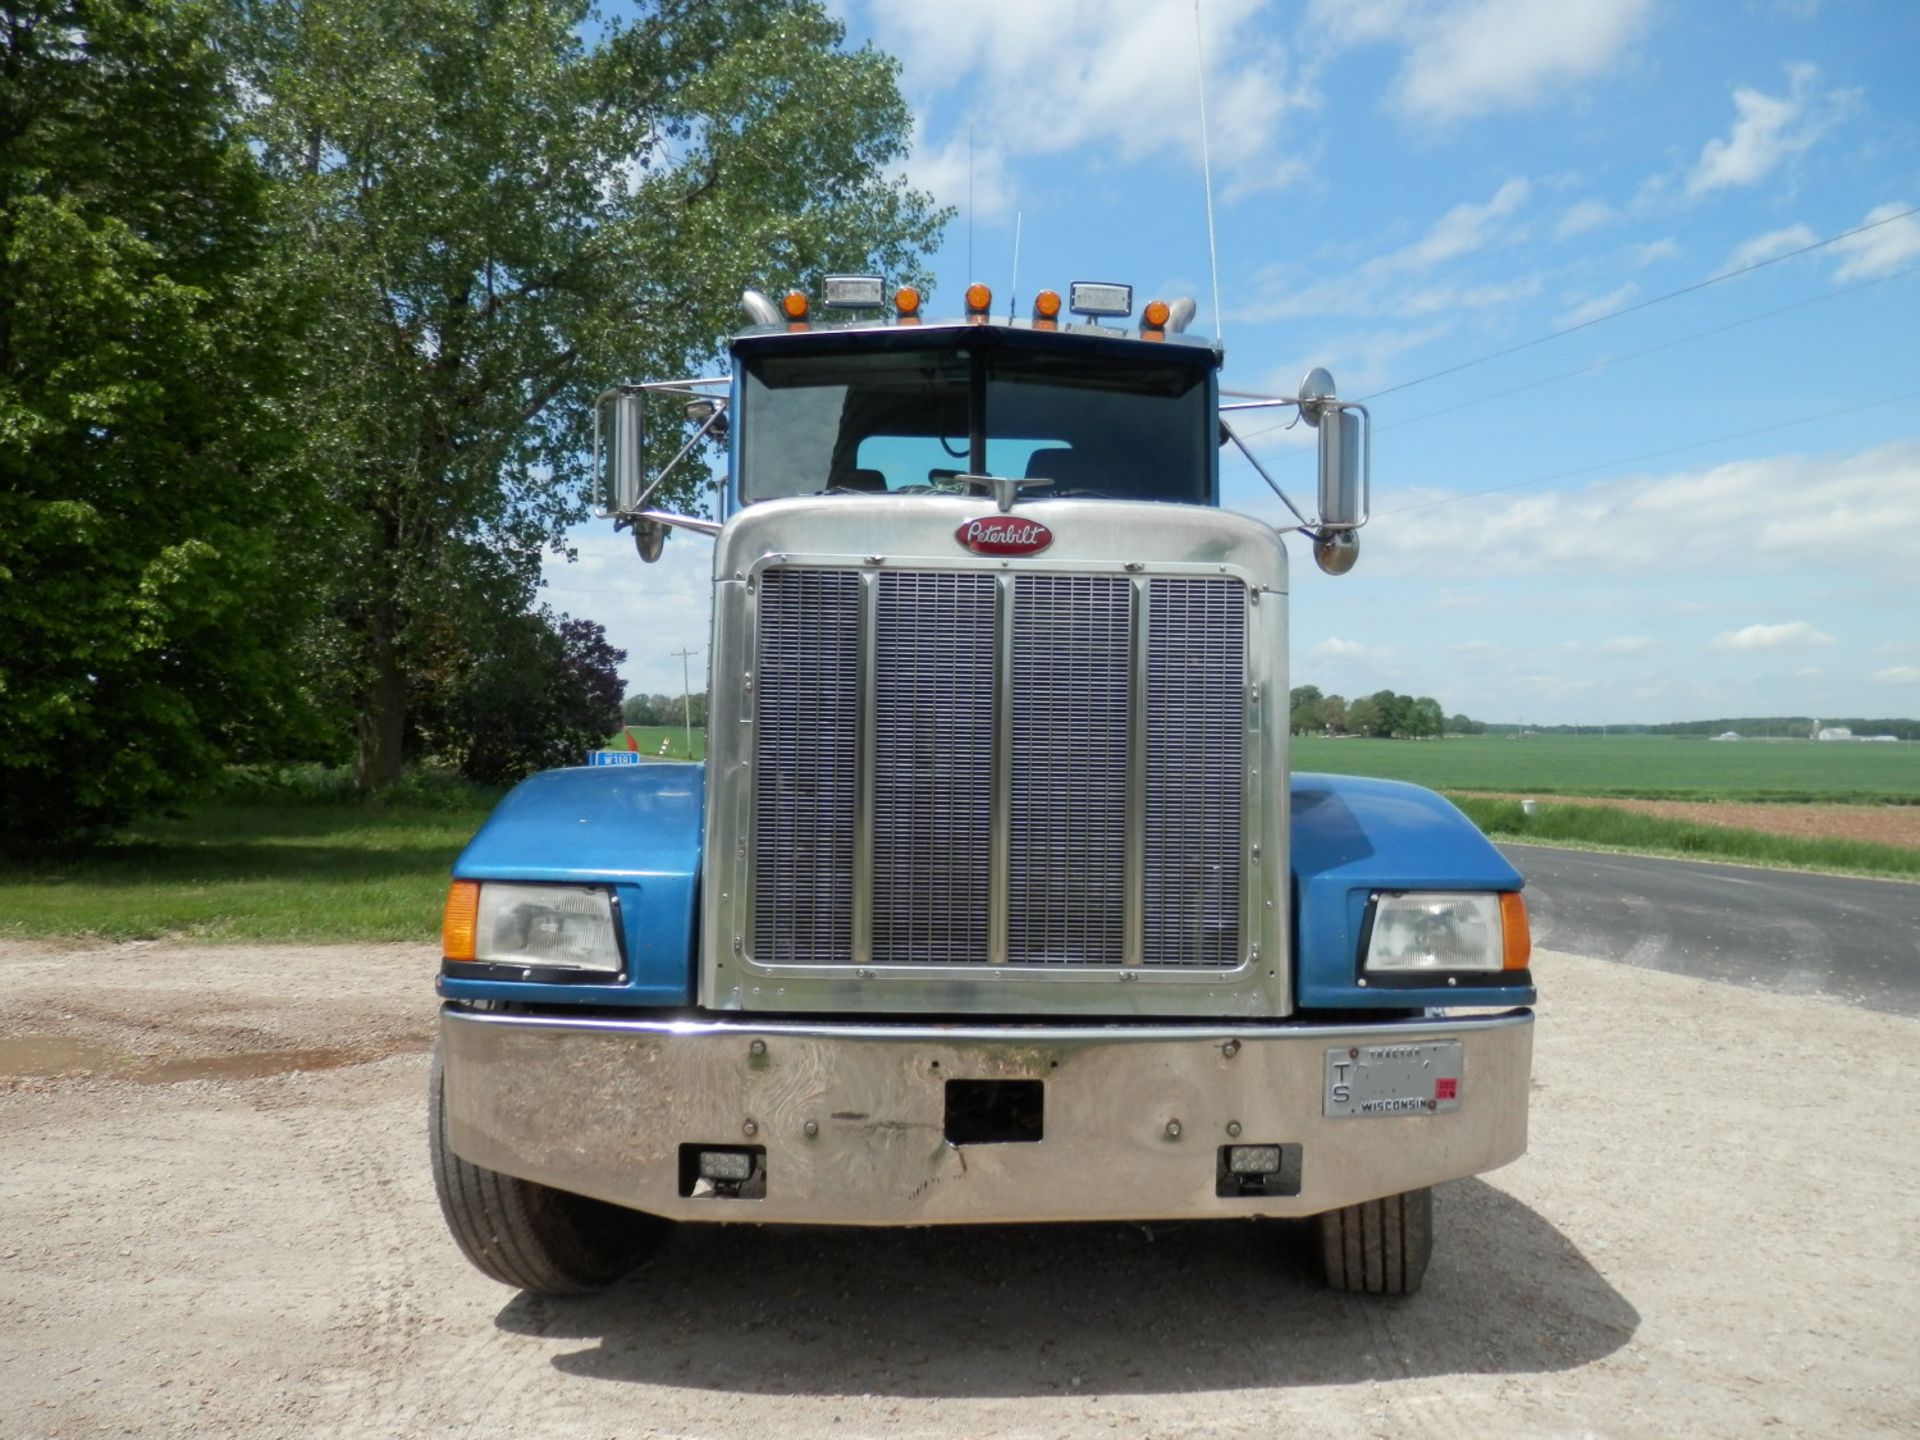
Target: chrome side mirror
point(1344, 453)
point(618, 435)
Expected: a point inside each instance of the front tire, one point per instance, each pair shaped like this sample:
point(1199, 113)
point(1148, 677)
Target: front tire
point(528, 1235)
point(1378, 1247)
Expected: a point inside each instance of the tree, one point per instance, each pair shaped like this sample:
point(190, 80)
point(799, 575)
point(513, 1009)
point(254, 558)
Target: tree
point(146, 597)
point(545, 691)
point(1304, 709)
point(508, 208)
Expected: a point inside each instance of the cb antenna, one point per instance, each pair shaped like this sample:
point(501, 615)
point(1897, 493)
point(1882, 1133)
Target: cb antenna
point(1206, 164)
point(1013, 300)
point(970, 275)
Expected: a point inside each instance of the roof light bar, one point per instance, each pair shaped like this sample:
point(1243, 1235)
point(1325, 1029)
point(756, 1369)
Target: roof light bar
point(853, 292)
point(1098, 299)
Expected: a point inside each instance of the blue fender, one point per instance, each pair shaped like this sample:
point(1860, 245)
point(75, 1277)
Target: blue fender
point(1353, 837)
point(633, 828)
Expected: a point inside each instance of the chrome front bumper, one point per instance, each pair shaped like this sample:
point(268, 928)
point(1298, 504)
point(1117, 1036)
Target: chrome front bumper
point(852, 1118)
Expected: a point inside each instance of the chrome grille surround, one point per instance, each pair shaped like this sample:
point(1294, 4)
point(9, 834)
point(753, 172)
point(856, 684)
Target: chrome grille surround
point(1026, 796)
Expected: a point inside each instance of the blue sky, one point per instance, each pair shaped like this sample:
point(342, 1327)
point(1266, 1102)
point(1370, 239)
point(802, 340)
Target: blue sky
point(1403, 186)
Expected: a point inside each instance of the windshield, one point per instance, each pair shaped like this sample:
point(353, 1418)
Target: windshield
point(912, 421)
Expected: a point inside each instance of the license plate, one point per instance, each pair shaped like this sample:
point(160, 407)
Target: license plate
point(1422, 1078)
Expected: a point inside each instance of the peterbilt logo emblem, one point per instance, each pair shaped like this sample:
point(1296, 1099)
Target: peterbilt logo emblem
point(1000, 535)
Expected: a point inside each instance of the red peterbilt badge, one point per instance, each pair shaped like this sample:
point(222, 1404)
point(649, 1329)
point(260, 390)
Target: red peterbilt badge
point(1004, 535)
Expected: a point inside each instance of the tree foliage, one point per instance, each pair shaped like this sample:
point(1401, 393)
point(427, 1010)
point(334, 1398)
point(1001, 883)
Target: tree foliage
point(143, 579)
point(505, 209)
point(543, 692)
point(1382, 714)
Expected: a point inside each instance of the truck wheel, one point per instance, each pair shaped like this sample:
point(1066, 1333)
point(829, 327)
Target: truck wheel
point(1378, 1247)
point(528, 1235)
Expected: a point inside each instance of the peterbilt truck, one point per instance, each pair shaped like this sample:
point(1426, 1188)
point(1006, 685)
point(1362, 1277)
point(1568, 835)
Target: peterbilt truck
point(994, 899)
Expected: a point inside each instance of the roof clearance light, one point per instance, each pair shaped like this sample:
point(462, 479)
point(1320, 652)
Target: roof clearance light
point(854, 292)
point(1154, 317)
point(1046, 305)
point(1097, 298)
point(793, 305)
point(979, 299)
point(906, 300)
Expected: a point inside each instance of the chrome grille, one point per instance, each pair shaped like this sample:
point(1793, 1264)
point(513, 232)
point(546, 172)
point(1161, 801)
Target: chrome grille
point(934, 752)
point(933, 766)
point(805, 722)
point(1196, 678)
point(1067, 848)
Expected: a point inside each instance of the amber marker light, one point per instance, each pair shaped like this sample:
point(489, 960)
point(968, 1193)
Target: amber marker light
point(1154, 317)
point(979, 299)
point(1046, 305)
point(459, 919)
point(1513, 928)
point(794, 305)
point(906, 302)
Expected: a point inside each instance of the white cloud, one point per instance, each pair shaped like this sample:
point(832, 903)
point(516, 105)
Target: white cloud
point(1461, 231)
point(1793, 635)
point(1475, 648)
point(1334, 648)
point(1767, 246)
point(1882, 250)
point(1899, 675)
point(1481, 56)
point(1552, 687)
point(1858, 513)
point(1626, 645)
point(958, 171)
point(1654, 250)
point(1587, 215)
point(1599, 305)
point(1768, 130)
point(1395, 283)
point(1044, 78)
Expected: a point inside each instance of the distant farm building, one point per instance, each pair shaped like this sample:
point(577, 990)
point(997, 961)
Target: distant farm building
point(1728, 735)
point(1833, 732)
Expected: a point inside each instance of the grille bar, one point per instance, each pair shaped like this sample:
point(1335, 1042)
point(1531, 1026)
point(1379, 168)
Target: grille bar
point(1196, 682)
point(1066, 864)
point(933, 767)
point(806, 704)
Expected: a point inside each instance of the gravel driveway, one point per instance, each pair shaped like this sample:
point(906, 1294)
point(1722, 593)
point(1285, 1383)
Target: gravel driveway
point(216, 1219)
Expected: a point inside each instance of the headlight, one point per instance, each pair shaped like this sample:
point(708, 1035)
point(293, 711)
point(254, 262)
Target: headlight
point(554, 927)
point(1448, 934)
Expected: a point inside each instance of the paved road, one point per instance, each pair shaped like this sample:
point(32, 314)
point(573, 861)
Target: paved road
point(1851, 940)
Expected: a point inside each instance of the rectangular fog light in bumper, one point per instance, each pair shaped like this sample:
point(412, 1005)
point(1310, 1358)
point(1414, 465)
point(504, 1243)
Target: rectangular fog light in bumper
point(1251, 1171)
point(1253, 1159)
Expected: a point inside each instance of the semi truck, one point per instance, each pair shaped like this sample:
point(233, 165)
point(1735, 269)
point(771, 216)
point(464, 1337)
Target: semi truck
point(995, 899)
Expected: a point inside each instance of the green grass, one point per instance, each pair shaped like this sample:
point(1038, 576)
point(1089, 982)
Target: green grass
point(280, 870)
point(1603, 827)
point(649, 738)
point(1644, 766)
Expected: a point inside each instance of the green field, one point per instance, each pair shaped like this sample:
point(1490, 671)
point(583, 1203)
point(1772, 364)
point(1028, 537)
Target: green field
point(1647, 766)
point(651, 737)
point(312, 872)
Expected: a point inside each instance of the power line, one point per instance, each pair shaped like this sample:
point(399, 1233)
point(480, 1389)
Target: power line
point(1651, 454)
point(1602, 364)
point(1647, 303)
point(1611, 360)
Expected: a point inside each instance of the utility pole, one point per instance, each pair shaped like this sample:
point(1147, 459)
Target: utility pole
point(686, 695)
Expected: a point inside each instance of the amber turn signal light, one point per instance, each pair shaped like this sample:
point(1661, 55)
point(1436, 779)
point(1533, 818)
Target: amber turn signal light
point(1513, 927)
point(459, 920)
